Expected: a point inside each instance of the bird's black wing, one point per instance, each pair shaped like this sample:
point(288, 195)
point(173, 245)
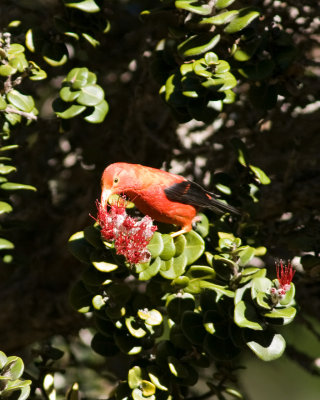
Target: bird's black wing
point(188, 192)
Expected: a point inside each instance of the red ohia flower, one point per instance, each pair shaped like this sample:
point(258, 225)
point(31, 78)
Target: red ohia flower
point(130, 235)
point(285, 275)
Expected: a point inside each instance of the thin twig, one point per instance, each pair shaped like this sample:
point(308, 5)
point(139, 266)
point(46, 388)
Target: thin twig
point(22, 113)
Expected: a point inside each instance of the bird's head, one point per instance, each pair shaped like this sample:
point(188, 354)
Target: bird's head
point(117, 178)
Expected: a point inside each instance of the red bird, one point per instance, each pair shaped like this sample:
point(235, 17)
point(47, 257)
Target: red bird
point(165, 197)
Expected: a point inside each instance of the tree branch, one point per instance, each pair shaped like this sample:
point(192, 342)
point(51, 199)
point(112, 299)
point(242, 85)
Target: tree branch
point(22, 113)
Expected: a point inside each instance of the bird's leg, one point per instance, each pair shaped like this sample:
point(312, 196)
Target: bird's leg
point(178, 233)
point(196, 219)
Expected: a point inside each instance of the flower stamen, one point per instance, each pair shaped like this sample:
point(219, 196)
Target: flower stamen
point(130, 235)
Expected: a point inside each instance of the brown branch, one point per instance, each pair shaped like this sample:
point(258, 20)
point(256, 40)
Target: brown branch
point(22, 113)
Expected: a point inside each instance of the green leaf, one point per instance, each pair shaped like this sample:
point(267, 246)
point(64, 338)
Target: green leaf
point(78, 77)
point(79, 247)
point(201, 272)
point(288, 298)
point(151, 270)
point(91, 95)
point(3, 103)
point(6, 169)
point(220, 290)
point(88, 6)
point(234, 393)
point(186, 68)
point(220, 82)
point(104, 266)
point(260, 285)
point(3, 359)
point(194, 247)
point(263, 301)
point(68, 95)
point(211, 59)
point(242, 20)
point(259, 72)
point(55, 54)
point(92, 234)
point(222, 67)
point(94, 42)
point(220, 349)
point(7, 70)
point(202, 226)
point(177, 368)
point(286, 315)
point(136, 331)
point(245, 316)
point(19, 62)
point(200, 68)
point(5, 207)
point(241, 150)
point(13, 368)
point(22, 385)
point(6, 244)
point(169, 248)
point(155, 245)
point(192, 326)
point(148, 388)
point(245, 50)
point(34, 40)
point(37, 73)
point(16, 186)
point(6, 148)
point(14, 24)
point(19, 100)
point(16, 48)
point(267, 345)
point(151, 317)
point(193, 6)
point(180, 243)
point(223, 4)
point(173, 91)
point(127, 343)
point(98, 302)
point(155, 377)
point(177, 305)
point(80, 299)
point(92, 78)
point(99, 113)
point(198, 44)
point(93, 277)
point(220, 19)
point(134, 377)
point(246, 254)
point(262, 177)
point(71, 112)
point(174, 267)
point(137, 394)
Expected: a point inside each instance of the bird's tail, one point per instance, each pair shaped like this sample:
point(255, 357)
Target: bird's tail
point(188, 192)
point(220, 208)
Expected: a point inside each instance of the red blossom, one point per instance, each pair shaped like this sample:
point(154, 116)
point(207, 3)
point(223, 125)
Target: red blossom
point(130, 235)
point(285, 275)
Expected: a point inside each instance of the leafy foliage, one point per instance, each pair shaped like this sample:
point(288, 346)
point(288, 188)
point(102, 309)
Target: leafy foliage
point(195, 304)
point(11, 384)
point(244, 81)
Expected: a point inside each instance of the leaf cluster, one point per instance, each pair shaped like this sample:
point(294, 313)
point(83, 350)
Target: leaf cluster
point(197, 301)
point(11, 384)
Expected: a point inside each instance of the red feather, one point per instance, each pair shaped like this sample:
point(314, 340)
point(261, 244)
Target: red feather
point(165, 197)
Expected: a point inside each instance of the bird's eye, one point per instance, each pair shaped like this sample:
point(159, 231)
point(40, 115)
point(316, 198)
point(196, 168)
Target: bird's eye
point(116, 180)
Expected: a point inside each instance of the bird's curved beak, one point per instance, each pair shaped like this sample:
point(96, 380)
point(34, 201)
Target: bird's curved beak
point(106, 193)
